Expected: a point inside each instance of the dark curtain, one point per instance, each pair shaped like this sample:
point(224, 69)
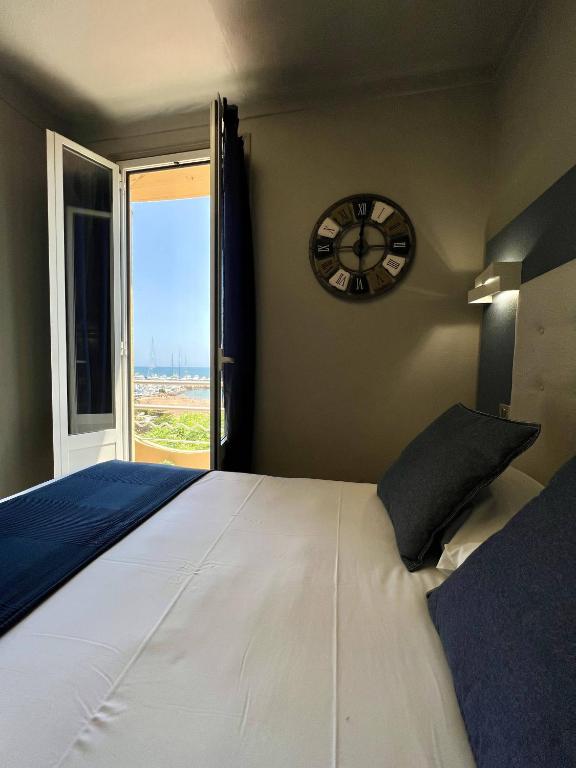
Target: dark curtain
point(238, 304)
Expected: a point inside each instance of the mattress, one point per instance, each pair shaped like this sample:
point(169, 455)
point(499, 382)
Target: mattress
point(253, 622)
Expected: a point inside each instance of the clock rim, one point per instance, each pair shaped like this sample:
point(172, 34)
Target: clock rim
point(361, 296)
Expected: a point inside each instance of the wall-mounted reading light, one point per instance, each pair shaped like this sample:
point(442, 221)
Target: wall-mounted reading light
point(499, 276)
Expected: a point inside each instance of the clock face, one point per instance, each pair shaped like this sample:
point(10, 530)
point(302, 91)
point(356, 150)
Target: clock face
point(362, 246)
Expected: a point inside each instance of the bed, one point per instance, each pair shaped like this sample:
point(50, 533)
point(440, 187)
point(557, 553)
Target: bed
point(253, 621)
point(261, 622)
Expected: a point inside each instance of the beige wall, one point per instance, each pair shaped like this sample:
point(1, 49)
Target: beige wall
point(337, 396)
point(536, 110)
point(25, 396)
point(342, 387)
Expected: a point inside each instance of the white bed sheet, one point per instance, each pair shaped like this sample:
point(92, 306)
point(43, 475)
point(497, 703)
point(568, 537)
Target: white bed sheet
point(254, 622)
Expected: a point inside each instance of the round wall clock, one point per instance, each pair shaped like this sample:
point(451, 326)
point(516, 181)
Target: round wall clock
point(362, 246)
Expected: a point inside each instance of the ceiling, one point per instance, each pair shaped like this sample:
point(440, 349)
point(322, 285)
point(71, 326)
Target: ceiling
point(117, 61)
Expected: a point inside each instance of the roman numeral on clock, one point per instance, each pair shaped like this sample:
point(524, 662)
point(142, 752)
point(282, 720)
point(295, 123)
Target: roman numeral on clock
point(379, 278)
point(328, 266)
point(340, 280)
point(343, 215)
point(324, 248)
point(328, 228)
point(358, 284)
point(393, 264)
point(400, 244)
point(381, 211)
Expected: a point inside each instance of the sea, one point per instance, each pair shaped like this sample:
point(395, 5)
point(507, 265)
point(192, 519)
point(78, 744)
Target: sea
point(167, 371)
point(184, 372)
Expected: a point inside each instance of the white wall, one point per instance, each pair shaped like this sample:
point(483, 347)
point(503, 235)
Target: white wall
point(536, 110)
point(25, 404)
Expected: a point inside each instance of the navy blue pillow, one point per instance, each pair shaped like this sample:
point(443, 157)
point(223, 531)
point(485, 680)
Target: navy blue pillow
point(507, 620)
point(440, 472)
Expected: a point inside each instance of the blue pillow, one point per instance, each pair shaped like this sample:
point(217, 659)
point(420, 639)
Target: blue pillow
point(441, 471)
point(507, 621)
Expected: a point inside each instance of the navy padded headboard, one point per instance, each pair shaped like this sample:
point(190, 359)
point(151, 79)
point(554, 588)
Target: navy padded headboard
point(543, 237)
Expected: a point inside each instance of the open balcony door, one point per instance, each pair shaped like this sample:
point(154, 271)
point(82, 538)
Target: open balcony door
point(85, 306)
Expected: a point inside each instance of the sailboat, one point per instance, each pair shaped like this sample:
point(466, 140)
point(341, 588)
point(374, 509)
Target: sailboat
point(153, 365)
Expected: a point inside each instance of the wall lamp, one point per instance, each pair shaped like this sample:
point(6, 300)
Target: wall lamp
point(497, 277)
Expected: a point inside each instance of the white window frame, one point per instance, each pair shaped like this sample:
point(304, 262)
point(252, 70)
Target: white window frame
point(55, 144)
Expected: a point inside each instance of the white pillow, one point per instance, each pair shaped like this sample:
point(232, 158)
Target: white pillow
point(505, 496)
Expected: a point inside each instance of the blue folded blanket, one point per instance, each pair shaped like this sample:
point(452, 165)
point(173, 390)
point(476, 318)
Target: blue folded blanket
point(51, 533)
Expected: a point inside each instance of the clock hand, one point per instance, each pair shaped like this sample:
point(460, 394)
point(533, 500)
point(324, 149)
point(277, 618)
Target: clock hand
point(361, 248)
point(362, 225)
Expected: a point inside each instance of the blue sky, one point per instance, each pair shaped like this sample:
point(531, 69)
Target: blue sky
point(171, 281)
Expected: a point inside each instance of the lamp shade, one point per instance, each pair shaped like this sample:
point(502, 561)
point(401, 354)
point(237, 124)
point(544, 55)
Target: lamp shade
point(497, 277)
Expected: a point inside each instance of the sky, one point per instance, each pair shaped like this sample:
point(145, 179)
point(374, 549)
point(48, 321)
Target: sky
point(171, 281)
